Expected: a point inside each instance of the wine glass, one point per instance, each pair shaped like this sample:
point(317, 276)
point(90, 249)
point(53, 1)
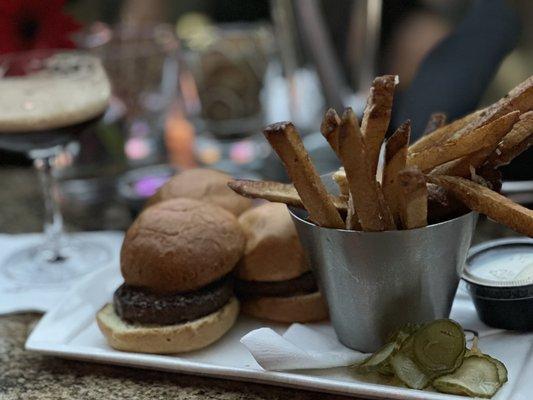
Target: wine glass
point(48, 97)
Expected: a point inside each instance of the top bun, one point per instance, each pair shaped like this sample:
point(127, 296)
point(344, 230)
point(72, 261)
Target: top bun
point(180, 245)
point(203, 184)
point(273, 251)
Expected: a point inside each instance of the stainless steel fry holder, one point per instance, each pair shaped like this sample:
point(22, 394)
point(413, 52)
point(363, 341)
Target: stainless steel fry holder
point(376, 282)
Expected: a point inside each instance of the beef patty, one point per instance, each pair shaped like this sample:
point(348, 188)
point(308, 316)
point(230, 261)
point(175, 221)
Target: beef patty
point(301, 285)
point(141, 305)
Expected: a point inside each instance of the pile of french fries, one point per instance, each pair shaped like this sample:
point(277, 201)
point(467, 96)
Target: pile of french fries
point(451, 167)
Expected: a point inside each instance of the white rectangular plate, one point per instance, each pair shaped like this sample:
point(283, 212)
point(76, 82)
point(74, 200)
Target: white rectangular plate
point(69, 330)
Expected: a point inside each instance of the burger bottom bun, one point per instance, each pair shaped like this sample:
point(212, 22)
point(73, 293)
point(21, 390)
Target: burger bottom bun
point(300, 308)
point(167, 339)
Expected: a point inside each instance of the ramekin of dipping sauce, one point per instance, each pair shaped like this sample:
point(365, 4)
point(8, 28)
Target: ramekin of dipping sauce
point(499, 277)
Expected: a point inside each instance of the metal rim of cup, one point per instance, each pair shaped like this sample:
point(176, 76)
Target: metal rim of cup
point(399, 232)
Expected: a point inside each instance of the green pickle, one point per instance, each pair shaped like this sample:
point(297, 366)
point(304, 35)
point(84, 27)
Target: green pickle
point(439, 346)
point(400, 335)
point(386, 369)
point(435, 354)
point(406, 369)
point(502, 370)
point(378, 360)
point(476, 377)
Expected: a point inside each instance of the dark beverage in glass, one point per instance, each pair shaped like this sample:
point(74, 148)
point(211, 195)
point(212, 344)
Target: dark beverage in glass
point(46, 99)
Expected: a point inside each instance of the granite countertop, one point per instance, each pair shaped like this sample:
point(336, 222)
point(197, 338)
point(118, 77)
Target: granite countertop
point(25, 375)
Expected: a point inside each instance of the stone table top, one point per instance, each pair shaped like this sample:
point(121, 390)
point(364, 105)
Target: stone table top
point(25, 375)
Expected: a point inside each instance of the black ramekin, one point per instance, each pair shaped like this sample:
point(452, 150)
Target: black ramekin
point(504, 301)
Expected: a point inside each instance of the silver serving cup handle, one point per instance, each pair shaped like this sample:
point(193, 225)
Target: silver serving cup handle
point(376, 282)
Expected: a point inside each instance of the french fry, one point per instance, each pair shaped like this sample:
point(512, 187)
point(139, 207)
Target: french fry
point(330, 127)
point(480, 138)
point(276, 192)
point(395, 161)
point(287, 143)
point(438, 200)
point(413, 198)
point(473, 146)
point(442, 134)
point(339, 177)
point(519, 98)
point(272, 191)
point(493, 178)
point(485, 201)
point(463, 166)
point(497, 131)
point(442, 205)
point(361, 179)
point(376, 116)
point(352, 220)
point(388, 218)
point(514, 143)
point(436, 120)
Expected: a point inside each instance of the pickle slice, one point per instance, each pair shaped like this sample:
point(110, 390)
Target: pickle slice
point(439, 346)
point(378, 359)
point(406, 369)
point(409, 372)
point(400, 335)
point(502, 370)
point(386, 369)
point(476, 377)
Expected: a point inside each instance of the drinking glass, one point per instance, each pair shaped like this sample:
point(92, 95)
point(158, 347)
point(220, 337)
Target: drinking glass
point(228, 64)
point(143, 63)
point(47, 98)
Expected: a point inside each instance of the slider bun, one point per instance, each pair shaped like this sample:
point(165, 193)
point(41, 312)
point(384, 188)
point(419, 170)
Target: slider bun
point(180, 245)
point(300, 308)
point(273, 251)
point(166, 339)
point(203, 184)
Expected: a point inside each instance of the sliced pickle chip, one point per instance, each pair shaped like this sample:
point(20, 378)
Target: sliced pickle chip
point(400, 335)
point(386, 369)
point(435, 355)
point(502, 370)
point(406, 369)
point(409, 372)
point(476, 377)
point(439, 346)
point(378, 359)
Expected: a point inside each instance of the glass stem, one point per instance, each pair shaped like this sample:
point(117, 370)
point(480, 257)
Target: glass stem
point(44, 161)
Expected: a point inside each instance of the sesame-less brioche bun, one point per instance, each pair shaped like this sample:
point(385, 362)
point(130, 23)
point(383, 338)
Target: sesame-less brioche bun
point(300, 308)
point(204, 184)
point(167, 339)
point(273, 251)
point(180, 245)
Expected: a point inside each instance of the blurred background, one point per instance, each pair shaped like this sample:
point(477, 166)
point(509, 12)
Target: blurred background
point(194, 82)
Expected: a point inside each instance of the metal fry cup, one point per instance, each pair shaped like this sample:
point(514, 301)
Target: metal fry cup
point(376, 282)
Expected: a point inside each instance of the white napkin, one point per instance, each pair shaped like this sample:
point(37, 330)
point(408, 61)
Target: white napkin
point(316, 346)
point(300, 347)
point(18, 297)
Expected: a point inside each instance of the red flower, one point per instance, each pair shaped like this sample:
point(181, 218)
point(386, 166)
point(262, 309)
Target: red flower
point(35, 24)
